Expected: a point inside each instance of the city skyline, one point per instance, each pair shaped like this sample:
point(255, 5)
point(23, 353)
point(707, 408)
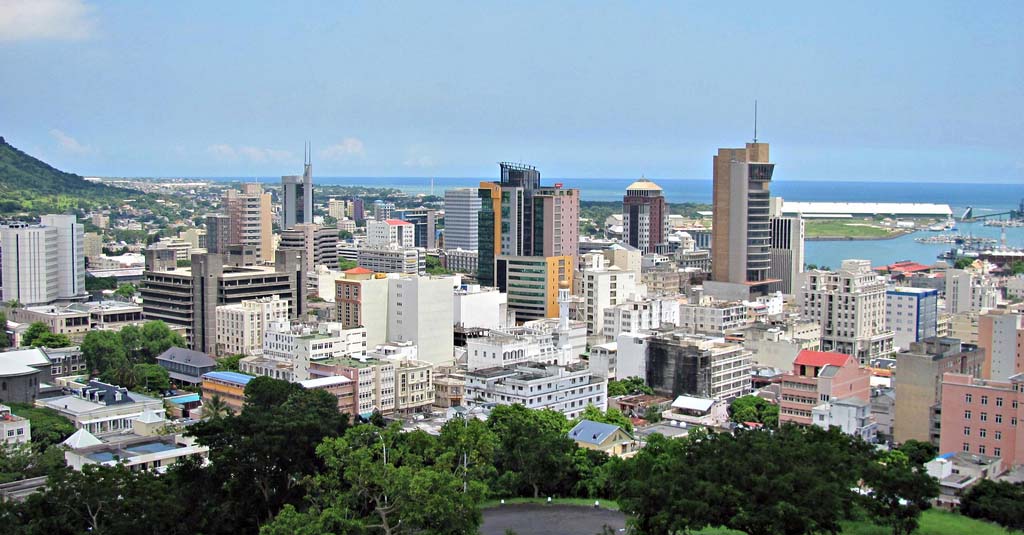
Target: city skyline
point(638, 90)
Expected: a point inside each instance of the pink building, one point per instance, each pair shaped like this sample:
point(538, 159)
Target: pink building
point(556, 215)
point(980, 416)
point(819, 377)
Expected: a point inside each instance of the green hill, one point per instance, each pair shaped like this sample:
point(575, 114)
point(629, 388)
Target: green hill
point(28, 184)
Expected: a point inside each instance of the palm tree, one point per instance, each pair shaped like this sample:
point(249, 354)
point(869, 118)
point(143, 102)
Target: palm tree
point(216, 408)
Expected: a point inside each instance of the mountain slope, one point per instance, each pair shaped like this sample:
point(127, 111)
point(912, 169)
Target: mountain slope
point(22, 173)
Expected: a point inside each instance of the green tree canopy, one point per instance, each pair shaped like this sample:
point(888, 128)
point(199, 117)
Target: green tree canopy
point(126, 291)
point(534, 453)
point(103, 350)
point(49, 428)
point(628, 386)
point(611, 416)
point(754, 409)
point(996, 501)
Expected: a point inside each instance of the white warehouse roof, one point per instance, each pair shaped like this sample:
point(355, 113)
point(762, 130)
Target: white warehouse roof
point(866, 208)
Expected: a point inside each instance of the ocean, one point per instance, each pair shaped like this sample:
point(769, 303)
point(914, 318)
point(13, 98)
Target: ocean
point(985, 198)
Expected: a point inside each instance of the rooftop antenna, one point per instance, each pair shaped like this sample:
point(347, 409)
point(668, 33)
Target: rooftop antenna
point(755, 120)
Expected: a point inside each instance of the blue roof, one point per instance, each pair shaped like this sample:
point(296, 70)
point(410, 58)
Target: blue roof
point(592, 432)
point(231, 377)
point(947, 455)
point(184, 398)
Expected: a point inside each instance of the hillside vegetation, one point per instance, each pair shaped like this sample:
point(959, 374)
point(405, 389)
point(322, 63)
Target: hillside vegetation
point(31, 185)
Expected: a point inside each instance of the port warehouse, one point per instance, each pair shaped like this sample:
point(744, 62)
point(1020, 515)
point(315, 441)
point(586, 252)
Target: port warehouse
point(838, 210)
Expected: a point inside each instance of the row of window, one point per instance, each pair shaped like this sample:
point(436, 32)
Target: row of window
point(969, 398)
point(983, 433)
point(996, 452)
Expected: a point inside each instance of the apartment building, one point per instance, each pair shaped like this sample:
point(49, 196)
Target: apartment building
point(532, 283)
point(461, 230)
point(818, 377)
point(241, 326)
point(566, 389)
point(249, 220)
point(43, 263)
point(420, 311)
point(407, 260)
point(712, 317)
point(362, 301)
point(983, 417)
point(918, 384)
point(1001, 335)
point(912, 314)
point(390, 233)
point(637, 315)
point(969, 291)
point(602, 287)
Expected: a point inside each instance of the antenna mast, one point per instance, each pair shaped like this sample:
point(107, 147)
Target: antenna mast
point(755, 120)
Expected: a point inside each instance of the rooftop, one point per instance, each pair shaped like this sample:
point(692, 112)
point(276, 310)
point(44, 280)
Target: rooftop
point(820, 359)
point(229, 377)
point(592, 432)
point(643, 185)
point(187, 356)
point(22, 361)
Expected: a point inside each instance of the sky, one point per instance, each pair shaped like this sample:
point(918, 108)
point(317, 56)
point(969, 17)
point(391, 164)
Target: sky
point(886, 91)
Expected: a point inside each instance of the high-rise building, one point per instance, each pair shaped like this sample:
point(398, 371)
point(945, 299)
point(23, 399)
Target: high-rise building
point(849, 304)
point(421, 312)
point(249, 220)
point(461, 206)
point(740, 229)
point(319, 243)
point(44, 263)
point(338, 208)
point(297, 195)
point(189, 297)
point(217, 233)
point(912, 314)
point(676, 363)
point(967, 291)
point(918, 384)
point(786, 252)
point(520, 218)
point(603, 287)
point(358, 210)
point(1001, 335)
point(531, 283)
point(383, 210)
point(362, 301)
point(424, 221)
point(390, 233)
point(645, 216)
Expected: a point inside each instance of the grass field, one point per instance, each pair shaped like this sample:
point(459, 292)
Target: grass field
point(845, 228)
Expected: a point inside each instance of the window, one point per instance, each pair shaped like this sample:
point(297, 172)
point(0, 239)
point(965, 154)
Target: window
point(999, 418)
point(997, 452)
point(967, 447)
point(984, 416)
point(999, 402)
point(967, 431)
point(967, 415)
point(1014, 404)
point(968, 398)
point(982, 432)
point(984, 400)
point(999, 435)
point(981, 449)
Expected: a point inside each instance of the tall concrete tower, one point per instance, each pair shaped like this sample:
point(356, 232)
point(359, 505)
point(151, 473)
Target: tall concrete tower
point(645, 216)
point(297, 194)
point(741, 233)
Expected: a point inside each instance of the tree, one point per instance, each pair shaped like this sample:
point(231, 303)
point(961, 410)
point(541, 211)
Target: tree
point(102, 349)
point(23, 461)
point(216, 408)
point(378, 480)
point(899, 492)
point(754, 409)
point(963, 262)
point(434, 266)
point(918, 452)
point(1017, 268)
point(52, 340)
point(534, 453)
point(345, 264)
point(96, 284)
point(151, 377)
point(49, 428)
point(996, 501)
point(36, 330)
point(229, 363)
point(5, 342)
point(628, 386)
point(344, 235)
point(126, 291)
point(611, 416)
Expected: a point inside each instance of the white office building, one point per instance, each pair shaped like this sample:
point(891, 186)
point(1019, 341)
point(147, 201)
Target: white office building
point(566, 389)
point(967, 291)
point(300, 345)
point(44, 263)
point(390, 233)
point(912, 314)
point(241, 326)
point(603, 287)
point(478, 306)
point(849, 304)
point(640, 315)
point(713, 317)
point(420, 311)
point(408, 260)
point(461, 206)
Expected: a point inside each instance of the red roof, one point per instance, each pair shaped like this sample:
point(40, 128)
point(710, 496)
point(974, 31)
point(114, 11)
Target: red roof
point(820, 359)
point(358, 271)
point(396, 222)
point(905, 266)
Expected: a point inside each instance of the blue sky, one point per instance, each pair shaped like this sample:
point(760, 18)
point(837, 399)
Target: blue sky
point(930, 91)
